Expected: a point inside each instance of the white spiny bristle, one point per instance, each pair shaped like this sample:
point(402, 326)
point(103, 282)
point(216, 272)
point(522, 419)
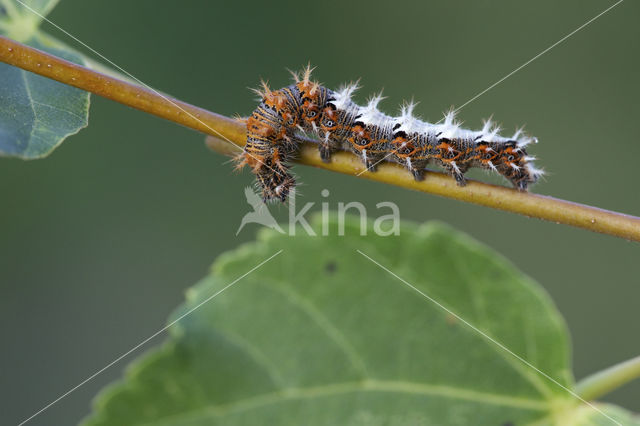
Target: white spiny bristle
point(493, 133)
point(450, 128)
point(449, 117)
point(529, 158)
point(370, 114)
point(409, 107)
point(408, 122)
point(492, 166)
point(406, 111)
point(524, 141)
point(487, 125)
point(518, 133)
point(374, 101)
point(344, 94)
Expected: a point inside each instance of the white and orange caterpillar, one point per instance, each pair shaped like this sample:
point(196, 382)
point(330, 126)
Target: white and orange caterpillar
point(306, 107)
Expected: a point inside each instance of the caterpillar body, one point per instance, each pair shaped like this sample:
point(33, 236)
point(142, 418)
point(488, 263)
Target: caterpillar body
point(306, 107)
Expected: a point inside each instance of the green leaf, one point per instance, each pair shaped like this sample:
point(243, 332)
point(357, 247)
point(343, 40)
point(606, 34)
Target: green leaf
point(36, 113)
point(321, 335)
point(20, 21)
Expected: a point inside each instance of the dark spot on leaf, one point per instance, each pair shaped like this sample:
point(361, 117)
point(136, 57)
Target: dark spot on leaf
point(331, 267)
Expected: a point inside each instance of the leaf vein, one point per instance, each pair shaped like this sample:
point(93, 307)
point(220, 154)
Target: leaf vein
point(323, 322)
point(257, 355)
point(335, 389)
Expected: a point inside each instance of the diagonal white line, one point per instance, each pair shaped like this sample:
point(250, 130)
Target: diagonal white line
point(146, 340)
point(514, 71)
point(139, 81)
point(490, 339)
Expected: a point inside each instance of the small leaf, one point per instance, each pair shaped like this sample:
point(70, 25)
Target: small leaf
point(320, 335)
point(20, 21)
point(36, 113)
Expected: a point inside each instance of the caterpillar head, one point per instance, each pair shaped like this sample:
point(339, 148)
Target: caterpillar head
point(276, 186)
point(274, 179)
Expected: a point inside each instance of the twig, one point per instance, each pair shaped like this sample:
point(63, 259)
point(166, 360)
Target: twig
point(218, 126)
point(605, 381)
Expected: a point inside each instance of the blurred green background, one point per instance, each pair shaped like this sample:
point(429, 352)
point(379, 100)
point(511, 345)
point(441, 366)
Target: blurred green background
point(100, 240)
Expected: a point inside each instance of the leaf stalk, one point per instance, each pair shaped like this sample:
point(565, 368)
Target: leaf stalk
point(609, 379)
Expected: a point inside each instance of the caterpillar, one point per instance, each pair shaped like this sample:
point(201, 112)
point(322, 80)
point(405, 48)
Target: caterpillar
point(306, 107)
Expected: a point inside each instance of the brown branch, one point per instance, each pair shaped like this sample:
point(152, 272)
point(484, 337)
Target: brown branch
point(498, 197)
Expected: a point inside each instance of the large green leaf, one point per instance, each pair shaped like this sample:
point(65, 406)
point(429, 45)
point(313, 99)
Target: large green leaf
point(321, 335)
point(36, 113)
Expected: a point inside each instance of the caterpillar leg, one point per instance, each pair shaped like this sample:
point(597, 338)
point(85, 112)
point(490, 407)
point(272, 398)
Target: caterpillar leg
point(456, 170)
point(327, 147)
point(521, 185)
point(418, 174)
point(457, 174)
point(325, 153)
point(277, 187)
point(269, 165)
point(416, 167)
point(370, 161)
